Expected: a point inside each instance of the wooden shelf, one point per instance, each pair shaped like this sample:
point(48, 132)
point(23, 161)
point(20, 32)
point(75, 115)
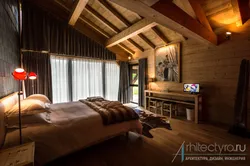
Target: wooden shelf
point(172, 97)
point(170, 100)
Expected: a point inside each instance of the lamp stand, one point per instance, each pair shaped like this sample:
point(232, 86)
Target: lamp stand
point(19, 107)
point(33, 90)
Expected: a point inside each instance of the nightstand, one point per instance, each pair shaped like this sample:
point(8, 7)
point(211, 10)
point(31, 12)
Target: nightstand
point(22, 155)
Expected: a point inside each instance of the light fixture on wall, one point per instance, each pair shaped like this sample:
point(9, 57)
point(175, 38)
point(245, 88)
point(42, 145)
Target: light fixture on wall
point(32, 77)
point(228, 35)
point(129, 58)
point(20, 75)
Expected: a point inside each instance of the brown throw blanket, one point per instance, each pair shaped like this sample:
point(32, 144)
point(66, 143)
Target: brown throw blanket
point(111, 111)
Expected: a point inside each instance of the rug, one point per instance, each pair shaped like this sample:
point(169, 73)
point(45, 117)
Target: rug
point(150, 120)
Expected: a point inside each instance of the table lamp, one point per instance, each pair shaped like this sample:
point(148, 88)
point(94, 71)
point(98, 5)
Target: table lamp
point(32, 77)
point(20, 75)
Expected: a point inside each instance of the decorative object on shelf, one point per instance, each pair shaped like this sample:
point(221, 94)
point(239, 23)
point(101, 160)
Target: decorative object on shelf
point(20, 75)
point(32, 77)
point(167, 63)
point(150, 80)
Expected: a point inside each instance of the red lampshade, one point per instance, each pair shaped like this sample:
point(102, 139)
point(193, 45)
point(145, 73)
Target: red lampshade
point(19, 74)
point(32, 75)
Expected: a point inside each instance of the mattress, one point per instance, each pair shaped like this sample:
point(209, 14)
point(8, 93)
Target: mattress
point(72, 127)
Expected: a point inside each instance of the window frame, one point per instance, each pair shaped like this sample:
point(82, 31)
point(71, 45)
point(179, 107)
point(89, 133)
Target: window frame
point(132, 85)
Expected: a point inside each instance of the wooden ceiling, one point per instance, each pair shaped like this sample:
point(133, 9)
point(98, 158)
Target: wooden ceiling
point(115, 24)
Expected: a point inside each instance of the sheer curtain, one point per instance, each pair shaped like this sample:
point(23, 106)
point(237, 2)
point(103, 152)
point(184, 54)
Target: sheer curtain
point(60, 79)
point(87, 78)
point(78, 78)
point(112, 71)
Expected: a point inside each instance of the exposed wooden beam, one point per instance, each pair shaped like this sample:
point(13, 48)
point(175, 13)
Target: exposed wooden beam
point(135, 29)
point(200, 14)
point(135, 44)
point(241, 10)
point(102, 19)
point(160, 35)
point(124, 21)
point(144, 38)
point(77, 10)
point(126, 48)
point(186, 7)
point(96, 28)
point(105, 4)
point(109, 24)
point(168, 14)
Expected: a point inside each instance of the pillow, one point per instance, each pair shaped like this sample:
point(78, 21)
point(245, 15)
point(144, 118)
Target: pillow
point(28, 120)
point(40, 97)
point(28, 107)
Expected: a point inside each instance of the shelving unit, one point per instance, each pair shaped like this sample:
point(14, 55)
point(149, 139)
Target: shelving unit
point(177, 97)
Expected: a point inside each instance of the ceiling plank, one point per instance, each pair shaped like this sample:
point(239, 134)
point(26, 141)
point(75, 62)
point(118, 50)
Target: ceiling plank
point(102, 19)
point(125, 22)
point(241, 10)
point(200, 14)
point(135, 44)
point(96, 28)
point(109, 25)
point(77, 10)
point(158, 32)
point(143, 37)
point(126, 49)
point(186, 7)
point(105, 4)
point(133, 30)
point(122, 19)
point(168, 14)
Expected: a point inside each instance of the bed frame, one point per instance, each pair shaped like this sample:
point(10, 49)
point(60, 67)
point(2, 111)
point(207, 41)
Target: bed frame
point(6, 103)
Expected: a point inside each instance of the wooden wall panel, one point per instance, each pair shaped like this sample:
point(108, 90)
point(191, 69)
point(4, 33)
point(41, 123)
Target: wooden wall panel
point(215, 68)
point(9, 48)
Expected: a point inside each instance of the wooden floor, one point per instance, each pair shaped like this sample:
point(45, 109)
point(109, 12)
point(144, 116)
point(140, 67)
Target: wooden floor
point(158, 151)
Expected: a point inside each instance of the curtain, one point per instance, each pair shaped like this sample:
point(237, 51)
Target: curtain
point(111, 80)
point(142, 80)
point(87, 78)
point(60, 79)
point(123, 95)
point(75, 78)
point(42, 31)
point(40, 64)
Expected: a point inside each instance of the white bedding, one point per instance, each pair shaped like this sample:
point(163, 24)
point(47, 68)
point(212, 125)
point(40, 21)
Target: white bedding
point(73, 126)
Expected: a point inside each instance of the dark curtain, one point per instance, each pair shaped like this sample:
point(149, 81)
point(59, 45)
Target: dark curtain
point(43, 32)
point(40, 64)
point(123, 94)
point(143, 66)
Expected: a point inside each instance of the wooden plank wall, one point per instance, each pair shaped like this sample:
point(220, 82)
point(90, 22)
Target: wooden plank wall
point(9, 48)
point(215, 68)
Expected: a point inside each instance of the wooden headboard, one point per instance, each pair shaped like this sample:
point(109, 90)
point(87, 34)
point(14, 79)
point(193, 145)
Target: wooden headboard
point(6, 104)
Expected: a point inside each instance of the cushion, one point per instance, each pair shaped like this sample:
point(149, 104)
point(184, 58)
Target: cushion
point(28, 107)
point(28, 120)
point(40, 97)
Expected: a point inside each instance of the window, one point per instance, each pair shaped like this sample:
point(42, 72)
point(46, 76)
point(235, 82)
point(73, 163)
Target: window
point(75, 78)
point(133, 79)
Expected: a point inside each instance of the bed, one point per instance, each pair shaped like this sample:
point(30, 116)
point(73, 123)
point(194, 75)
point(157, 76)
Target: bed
point(72, 127)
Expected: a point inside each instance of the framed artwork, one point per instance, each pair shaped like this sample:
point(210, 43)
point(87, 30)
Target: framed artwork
point(167, 63)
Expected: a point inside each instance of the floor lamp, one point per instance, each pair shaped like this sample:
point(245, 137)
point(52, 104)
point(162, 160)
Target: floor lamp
point(32, 77)
point(20, 75)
